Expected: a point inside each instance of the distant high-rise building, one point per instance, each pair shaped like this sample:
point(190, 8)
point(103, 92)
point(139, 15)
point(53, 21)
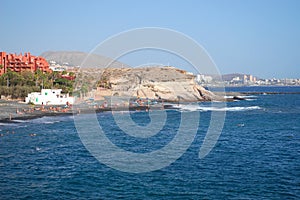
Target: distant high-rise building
point(20, 63)
point(245, 78)
point(250, 78)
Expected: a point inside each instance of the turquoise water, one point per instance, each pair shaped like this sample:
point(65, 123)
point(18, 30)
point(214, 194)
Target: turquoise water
point(256, 157)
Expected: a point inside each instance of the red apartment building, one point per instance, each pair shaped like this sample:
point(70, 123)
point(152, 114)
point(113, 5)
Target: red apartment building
point(20, 63)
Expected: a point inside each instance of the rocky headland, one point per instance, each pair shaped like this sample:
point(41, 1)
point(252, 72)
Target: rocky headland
point(159, 83)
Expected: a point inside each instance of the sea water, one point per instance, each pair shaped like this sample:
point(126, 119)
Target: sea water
point(257, 155)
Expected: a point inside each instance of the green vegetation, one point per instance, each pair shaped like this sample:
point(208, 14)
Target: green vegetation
point(17, 91)
point(18, 85)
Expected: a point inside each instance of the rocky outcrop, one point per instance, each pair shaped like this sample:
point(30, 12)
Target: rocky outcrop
point(165, 83)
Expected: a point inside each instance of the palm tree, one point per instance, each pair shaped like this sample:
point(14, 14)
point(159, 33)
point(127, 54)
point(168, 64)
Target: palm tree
point(40, 78)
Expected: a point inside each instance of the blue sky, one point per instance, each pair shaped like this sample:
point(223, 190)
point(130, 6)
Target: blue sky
point(248, 36)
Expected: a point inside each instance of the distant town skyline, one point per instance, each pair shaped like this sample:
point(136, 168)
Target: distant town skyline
point(261, 38)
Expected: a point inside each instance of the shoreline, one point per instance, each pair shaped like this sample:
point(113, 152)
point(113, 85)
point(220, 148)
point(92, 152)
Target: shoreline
point(31, 116)
point(9, 108)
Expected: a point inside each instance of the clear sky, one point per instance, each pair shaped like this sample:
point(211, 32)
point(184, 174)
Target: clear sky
point(248, 36)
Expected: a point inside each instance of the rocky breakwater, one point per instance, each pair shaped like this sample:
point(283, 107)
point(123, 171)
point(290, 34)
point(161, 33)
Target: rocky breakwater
point(161, 83)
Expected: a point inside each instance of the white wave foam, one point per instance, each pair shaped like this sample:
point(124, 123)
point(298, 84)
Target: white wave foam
point(240, 108)
point(38, 148)
point(242, 96)
point(207, 108)
point(10, 124)
point(246, 97)
point(228, 97)
point(19, 121)
point(46, 120)
point(187, 107)
point(249, 96)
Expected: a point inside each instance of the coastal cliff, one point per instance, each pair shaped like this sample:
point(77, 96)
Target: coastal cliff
point(153, 82)
point(165, 83)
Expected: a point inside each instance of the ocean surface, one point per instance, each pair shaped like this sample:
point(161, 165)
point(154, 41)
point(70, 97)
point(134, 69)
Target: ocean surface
point(257, 155)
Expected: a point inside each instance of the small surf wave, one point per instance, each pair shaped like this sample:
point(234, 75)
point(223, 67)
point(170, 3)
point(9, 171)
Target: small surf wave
point(13, 124)
point(19, 121)
point(187, 107)
point(45, 120)
point(248, 96)
point(242, 97)
point(52, 122)
point(207, 108)
point(238, 108)
point(42, 120)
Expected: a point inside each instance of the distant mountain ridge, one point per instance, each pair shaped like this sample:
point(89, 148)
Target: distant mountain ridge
point(76, 58)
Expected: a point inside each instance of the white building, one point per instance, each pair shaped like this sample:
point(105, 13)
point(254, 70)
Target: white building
point(236, 79)
point(200, 78)
point(49, 97)
point(58, 68)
